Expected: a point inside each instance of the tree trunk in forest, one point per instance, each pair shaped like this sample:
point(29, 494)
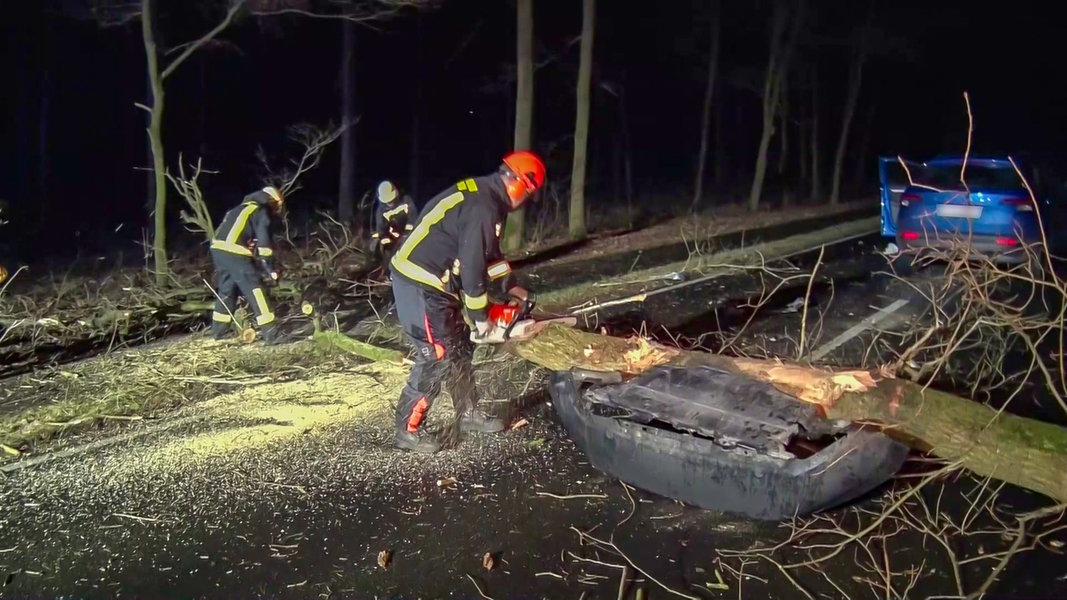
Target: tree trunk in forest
point(718, 172)
point(515, 230)
point(155, 139)
point(783, 131)
point(709, 90)
point(346, 189)
point(784, 36)
point(803, 149)
point(576, 216)
point(862, 166)
point(1025, 452)
point(628, 156)
point(816, 177)
point(855, 81)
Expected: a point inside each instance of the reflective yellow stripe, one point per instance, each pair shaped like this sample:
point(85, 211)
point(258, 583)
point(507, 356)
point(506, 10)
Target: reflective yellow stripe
point(265, 251)
point(375, 235)
point(408, 227)
point(265, 316)
point(462, 185)
point(221, 317)
point(499, 269)
point(230, 247)
point(396, 211)
point(476, 302)
point(401, 261)
point(471, 186)
point(240, 222)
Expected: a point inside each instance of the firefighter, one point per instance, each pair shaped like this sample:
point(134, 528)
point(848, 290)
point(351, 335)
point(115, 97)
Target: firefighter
point(242, 254)
point(394, 217)
point(442, 273)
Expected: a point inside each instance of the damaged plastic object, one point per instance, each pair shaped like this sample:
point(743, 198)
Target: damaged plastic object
point(720, 440)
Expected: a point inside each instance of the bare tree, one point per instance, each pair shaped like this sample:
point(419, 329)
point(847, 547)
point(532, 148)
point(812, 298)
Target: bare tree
point(861, 48)
point(188, 187)
point(709, 89)
point(314, 141)
point(581, 122)
point(120, 12)
point(787, 19)
point(515, 231)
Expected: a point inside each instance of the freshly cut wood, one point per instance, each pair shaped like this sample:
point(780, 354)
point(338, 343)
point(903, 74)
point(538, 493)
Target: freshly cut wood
point(1025, 452)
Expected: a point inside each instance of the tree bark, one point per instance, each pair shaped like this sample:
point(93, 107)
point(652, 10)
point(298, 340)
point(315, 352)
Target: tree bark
point(784, 37)
point(1025, 452)
point(346, 190)
point(515, 230)
point(709, 90)
point(576, 215)
point(155, 139)
point(855, 81)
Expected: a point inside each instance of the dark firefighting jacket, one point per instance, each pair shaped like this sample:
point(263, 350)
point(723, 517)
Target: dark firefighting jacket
point(455, 244)
point(394, 219)
point(245, 227)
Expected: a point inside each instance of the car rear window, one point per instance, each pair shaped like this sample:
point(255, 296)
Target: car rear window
point(947, 176)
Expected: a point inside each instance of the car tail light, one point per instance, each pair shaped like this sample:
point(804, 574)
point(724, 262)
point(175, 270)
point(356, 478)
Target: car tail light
point(910, 235)
point(1006, 241)
point(1020, 204)
point(907, 199)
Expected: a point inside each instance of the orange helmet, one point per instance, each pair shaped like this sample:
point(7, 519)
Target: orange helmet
point(525, 173)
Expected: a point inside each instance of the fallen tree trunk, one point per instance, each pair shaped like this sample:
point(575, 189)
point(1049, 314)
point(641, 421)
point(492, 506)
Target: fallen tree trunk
point(1025, 452)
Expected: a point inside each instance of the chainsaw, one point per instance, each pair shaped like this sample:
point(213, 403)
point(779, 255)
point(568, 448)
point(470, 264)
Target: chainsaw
point(513, 322)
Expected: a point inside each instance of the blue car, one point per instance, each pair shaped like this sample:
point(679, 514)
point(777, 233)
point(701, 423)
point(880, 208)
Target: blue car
point(925, 205)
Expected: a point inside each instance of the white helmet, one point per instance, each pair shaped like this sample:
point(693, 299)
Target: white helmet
point(386, 192)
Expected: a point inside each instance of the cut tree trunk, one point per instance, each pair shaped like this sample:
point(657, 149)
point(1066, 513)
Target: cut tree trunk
point(1025, 452)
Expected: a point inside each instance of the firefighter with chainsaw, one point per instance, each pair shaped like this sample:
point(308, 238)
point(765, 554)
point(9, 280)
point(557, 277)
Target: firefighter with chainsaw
point(394, 217)
point(243, 257)
point(443, 273)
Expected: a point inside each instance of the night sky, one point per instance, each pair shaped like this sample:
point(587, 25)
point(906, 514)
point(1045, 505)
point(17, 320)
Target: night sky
point(70, 115)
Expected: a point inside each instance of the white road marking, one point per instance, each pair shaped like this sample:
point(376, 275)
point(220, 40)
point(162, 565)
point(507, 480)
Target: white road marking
point(858, 328)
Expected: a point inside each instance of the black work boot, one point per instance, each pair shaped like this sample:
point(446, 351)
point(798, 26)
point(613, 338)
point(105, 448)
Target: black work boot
point(221, 331)
point(477, 421)
point(420, 441)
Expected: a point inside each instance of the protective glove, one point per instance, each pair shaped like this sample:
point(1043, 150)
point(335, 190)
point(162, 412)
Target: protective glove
point(481, 331)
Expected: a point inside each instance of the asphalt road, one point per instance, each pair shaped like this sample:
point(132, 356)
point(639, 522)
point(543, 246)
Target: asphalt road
point(208, 509)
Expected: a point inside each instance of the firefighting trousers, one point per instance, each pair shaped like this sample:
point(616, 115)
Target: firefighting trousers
point(433, 323)
point(237, 276)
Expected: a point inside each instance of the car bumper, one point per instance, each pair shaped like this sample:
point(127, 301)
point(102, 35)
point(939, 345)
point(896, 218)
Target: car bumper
point(981, 247)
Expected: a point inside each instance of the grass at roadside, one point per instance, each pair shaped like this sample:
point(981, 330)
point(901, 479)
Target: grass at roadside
point(139, 384)
point(701, 263)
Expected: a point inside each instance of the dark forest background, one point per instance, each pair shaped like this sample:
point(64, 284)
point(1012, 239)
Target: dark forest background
point(435, 97)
